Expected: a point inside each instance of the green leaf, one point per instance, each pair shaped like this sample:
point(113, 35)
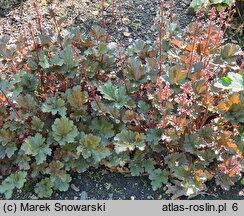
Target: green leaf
point(197, 3)
point(192, 142)
point(7, 188)
point(102, 48)
point(242, 181)
point(70, 63)
point(37, 124)
point(154, 135)
point(19, 179)
point(136, 164)
point(28, 83)
point(143, 107)
point(149, 165)
point(97, 33)
point(174, 160)
point(177, 75)
point(158, 178)
point(10, 150)
point(62, 185)
point(139, 165)
point(64, 130)
point(79, 165)
point(226, 81)
point(44, 188)
point(68, 57)
point(94, 66)
point(109, 91)
point(54, 105)
point(36, 147)
point(136, 70)
point(221, 7)
point(15, 126)
point(229, 52)
point(16, 180)
point(118, 159)
point(135, 168)
point(199, 86)
point(27, 103)
point(43, 60)
point(7, 143)
point(23, 161)
point(78, 98)
point(4, 85)
point(233, 82)
point(116, 95)
point(138, 46)
point(128, 140)
point(37, 170)
point(7, 136)
point(182, 172)
point(207, 156)
point(90, 147)
point(7, 150)
point(58, 176)
point(56, 60)
point(103, 127)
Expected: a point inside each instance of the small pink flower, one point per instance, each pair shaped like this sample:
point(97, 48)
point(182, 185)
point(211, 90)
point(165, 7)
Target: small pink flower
point(187, 88)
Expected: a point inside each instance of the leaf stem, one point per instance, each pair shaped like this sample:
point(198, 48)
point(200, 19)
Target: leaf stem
point(10, 103)
point(192, 51)
point(161, 36)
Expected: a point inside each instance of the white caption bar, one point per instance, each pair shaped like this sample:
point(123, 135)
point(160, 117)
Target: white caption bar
point(121, 207)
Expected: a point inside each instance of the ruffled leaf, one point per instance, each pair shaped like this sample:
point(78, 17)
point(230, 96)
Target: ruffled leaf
point(44, 188)
point(90, 146)
point(64, 131)
point(115, 95)
point(16, 180)
point(129, 140)
point(35, 146)
point(158, 178)
point(54, 105)
point(103, 126)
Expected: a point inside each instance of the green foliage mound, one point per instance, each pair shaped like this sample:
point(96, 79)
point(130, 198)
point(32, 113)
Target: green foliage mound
point(172, 110)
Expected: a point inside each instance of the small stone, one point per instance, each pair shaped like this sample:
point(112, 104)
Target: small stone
point(83, 195)
point(76, 189)
point(126, 34)
point(132, 197)
point(111, 46)
point(110, 196)
point(95, 13)
point(125, 21)
point(241, 193)
point(108, 185)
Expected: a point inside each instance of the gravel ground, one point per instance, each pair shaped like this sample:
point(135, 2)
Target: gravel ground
point(132, 18)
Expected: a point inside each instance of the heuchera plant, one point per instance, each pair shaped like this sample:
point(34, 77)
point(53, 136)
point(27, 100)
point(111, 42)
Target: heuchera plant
point(172, 110)
point(219, 4)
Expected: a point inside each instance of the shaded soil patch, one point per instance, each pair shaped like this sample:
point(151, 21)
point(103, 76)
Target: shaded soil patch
point(99, 184)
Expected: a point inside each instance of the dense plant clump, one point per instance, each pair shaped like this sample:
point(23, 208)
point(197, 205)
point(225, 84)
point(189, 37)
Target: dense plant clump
point(173, 110)
point(219, 4)
point(235, 32)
